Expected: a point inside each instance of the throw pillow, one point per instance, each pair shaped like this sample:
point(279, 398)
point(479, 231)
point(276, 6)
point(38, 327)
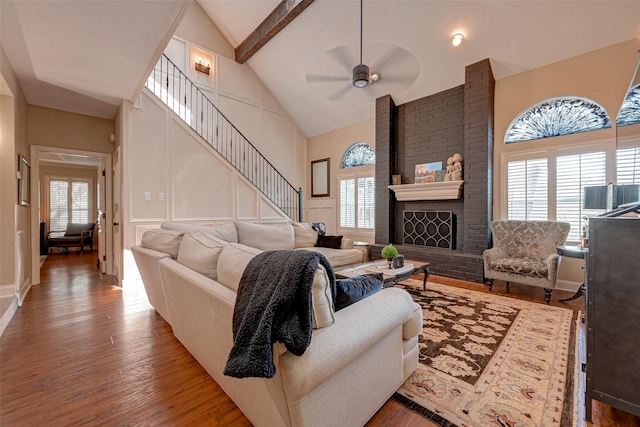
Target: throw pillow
point(332, 242)
point(266, 237)
point(200, 252)
point(306, 236)
point(354, 289)
point(167, 241)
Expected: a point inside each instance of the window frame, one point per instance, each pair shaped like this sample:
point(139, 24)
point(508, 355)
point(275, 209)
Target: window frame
point(46, 215)
point(356, 172)
point(551, 153)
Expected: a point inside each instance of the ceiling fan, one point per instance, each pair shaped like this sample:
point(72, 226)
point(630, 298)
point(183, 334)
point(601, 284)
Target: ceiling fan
point(401, 70)
point(361, 71)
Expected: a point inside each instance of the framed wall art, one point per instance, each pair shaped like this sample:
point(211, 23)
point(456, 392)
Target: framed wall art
point(320, 178)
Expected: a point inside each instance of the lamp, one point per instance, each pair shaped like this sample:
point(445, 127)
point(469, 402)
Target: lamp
point(206, 69)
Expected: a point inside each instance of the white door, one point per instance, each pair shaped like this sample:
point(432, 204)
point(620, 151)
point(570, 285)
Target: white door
point(117, 216)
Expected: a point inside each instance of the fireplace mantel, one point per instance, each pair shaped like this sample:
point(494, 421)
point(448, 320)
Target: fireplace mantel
point(446, 190)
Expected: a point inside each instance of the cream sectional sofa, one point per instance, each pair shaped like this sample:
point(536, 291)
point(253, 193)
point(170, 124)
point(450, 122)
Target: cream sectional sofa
point(357, 358)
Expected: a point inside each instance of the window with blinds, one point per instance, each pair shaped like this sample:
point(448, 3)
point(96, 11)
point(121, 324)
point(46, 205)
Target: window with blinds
point(357, 202)
point(347, 203)
point(366, 202)
point(573, 174)
point(628, 166)
point(58, 205)
point(69, 202)
point(527, 190)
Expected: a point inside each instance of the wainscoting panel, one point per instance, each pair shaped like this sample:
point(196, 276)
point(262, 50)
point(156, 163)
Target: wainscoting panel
point(322, 211)
point(200, 179)
point(244, 116)
point(246, 200)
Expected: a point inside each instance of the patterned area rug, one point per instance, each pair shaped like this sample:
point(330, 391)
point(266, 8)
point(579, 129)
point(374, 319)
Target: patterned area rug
point(488, 360)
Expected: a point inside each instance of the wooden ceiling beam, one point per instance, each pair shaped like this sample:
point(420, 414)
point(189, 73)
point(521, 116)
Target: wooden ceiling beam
point(279, 18)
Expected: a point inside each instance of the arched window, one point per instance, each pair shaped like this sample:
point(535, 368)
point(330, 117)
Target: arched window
point(630, 111)
point(556, 117)
point(358, 154)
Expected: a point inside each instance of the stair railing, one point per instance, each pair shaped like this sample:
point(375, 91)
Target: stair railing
point(182, 96)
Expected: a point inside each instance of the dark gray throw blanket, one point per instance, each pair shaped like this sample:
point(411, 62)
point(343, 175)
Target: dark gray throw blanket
point(273, 304)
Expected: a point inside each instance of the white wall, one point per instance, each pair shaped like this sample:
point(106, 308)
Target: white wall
point(184, 178)
point(333, 145)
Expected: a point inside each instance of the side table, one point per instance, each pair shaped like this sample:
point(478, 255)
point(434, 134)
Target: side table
point(578, 253)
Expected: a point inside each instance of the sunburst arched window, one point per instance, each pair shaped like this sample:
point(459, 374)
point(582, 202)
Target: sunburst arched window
point(358, 154)
point(630, 111)
point(557, 117)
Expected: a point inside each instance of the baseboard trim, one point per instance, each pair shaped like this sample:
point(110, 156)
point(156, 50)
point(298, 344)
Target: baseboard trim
point(8, 314)
point(24, 290)
point(567, 285)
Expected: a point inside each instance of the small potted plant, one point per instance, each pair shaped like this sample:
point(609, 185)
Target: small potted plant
point(389, 252)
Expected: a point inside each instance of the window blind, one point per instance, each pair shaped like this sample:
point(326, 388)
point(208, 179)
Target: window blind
point(366, 202)
point(58, 205)
point(527, 190)
point(80, 202)
point(628, 166)
point(573, 174)
point(347, 203)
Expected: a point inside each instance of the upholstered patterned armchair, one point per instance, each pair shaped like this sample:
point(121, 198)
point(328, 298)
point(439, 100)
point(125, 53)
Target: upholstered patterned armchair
point(525, 252)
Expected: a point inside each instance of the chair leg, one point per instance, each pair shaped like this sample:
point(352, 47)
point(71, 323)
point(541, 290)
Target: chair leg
point(489, 283)
point(507, 285)
point(547, 295)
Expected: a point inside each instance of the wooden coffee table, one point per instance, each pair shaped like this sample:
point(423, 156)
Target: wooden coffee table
point(391, 275)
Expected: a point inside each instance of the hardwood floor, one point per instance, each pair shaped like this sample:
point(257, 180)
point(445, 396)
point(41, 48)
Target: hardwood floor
point(84, 352)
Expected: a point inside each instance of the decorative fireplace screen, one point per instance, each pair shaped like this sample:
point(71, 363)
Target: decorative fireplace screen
point(429, 228)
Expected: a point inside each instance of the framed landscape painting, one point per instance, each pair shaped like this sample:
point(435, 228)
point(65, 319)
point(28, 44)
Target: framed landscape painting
point(426, 172)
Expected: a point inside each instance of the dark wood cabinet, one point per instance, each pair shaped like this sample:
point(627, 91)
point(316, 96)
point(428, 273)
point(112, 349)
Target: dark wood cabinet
point(613, 314)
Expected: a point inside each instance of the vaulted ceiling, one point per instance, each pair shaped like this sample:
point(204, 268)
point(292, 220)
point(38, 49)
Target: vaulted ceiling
point(85, 56)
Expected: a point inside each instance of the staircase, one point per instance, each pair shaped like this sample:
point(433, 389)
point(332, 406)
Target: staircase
point(186, 100)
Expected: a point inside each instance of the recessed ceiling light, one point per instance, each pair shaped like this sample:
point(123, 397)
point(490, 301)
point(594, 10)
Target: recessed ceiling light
point(457, 39)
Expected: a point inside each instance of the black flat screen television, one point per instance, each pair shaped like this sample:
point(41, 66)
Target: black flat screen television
point(596, 197)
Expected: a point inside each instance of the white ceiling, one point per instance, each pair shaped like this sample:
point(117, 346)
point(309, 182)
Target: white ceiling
point(86, 56)
point(515, 35)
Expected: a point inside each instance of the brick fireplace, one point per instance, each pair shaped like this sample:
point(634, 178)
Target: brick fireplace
point(431, 129)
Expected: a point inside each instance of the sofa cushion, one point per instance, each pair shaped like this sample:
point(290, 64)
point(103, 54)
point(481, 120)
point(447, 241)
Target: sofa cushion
point(322, 299)
point(166, 241)
point(305, 235)
point(526, 266)
point(234, 259)
point(226, 232)
point(333, 242)
point(200, 252)
point(77, 229)
point(266, 237)
point(232, 262)
point(354, 289)
point(340, 257)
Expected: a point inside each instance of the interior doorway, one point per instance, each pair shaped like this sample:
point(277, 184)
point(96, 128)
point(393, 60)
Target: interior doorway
point(45, 162)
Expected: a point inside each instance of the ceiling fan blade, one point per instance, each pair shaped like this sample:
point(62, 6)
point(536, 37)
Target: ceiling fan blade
point(390, 57)
point(342, 55)
point(339, 94)
point(318, 78)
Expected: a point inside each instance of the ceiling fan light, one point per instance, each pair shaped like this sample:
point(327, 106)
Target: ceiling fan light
point(361, 75)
